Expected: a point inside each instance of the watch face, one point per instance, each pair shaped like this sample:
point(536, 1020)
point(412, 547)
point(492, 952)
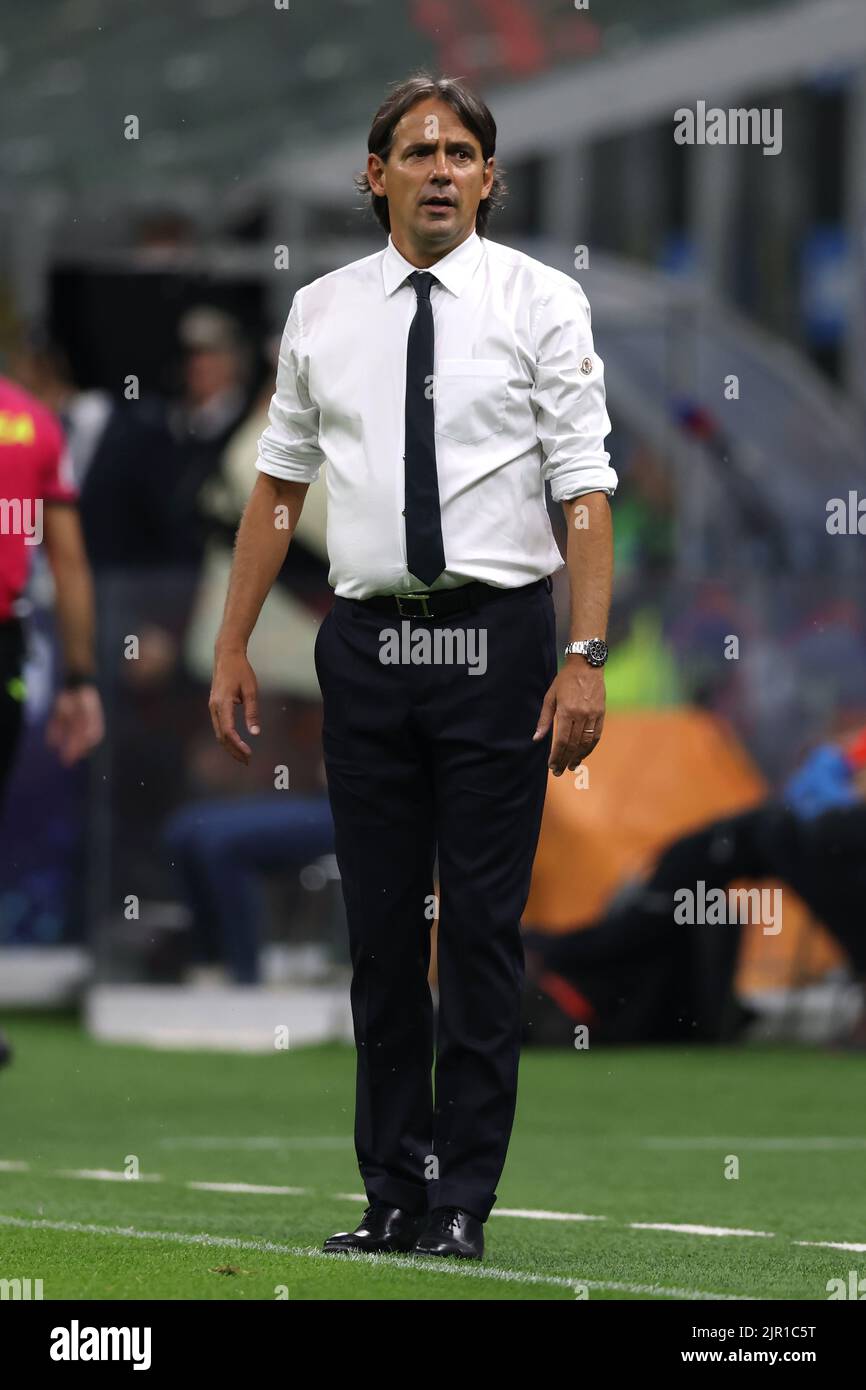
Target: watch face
point(596, 651)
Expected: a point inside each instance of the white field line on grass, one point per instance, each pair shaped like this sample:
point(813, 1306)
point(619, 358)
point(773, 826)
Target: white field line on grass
point(113, 1175)
point(833, 1244)
point(516, 1213)
point(527, 1214)
point(691, 1230)
point(524, 1213)
point(106, 1175)
point(303, 1141)
point(782, 1143)
point(792, 1144)
point(407, 1263)
point(249, 1187)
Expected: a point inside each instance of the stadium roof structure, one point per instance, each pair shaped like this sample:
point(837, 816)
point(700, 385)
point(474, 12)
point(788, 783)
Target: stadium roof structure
point(734, 52)
point(220, 86)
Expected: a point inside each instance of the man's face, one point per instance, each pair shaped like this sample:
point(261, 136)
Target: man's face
point(433, 157)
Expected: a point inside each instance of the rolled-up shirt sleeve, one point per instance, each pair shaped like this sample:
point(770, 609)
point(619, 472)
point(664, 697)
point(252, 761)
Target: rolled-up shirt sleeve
point(289, 446)
point(569, 398)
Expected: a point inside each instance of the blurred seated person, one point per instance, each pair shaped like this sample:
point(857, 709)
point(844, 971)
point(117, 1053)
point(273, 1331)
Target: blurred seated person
point(221, 848)
point(640, 975)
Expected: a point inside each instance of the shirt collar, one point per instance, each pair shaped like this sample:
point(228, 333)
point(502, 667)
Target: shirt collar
point(454, 270)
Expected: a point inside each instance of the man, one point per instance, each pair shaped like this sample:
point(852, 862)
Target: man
point(212, 404)
point(111, 446)
point(442, 380)
point(37, 503)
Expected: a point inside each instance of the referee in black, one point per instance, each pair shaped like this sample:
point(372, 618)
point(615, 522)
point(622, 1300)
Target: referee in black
point(440, 382)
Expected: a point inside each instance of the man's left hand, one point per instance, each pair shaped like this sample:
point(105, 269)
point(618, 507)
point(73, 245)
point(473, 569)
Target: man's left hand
point(577, 699)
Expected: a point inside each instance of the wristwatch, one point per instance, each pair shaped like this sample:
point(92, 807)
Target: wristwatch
point(593, 648)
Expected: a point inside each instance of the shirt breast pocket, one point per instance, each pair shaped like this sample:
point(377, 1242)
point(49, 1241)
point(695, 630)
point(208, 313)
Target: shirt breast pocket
point(470, 398)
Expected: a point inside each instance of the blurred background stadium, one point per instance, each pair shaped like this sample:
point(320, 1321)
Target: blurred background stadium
point(169, 176)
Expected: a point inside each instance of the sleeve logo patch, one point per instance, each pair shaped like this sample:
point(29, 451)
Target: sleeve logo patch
point(586, 366)
point(16, 429)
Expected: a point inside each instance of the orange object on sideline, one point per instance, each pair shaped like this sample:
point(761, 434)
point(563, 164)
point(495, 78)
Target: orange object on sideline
point(656, 775)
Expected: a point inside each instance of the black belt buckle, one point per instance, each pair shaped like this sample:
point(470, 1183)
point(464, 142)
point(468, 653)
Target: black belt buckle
point(413, 612)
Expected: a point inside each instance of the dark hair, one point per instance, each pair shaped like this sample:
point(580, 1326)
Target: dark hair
point(462, 100)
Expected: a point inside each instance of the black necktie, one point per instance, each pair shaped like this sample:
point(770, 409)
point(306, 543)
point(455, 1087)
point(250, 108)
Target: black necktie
point(425, 553)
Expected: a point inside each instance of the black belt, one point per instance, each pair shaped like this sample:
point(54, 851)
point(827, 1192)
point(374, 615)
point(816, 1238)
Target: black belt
point(435, 603)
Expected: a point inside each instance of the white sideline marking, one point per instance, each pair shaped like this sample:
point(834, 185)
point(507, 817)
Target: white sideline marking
point(249, 1187)
point(520, 1213)
point(793, 1143)
point(106, 1175)
point(833, 1244)
point(525, 1213)
point(529, 1215)
point(690, 1230)
point(109, 1175)
point(330, 1141)
point(407, 1263)
point(303, 1141)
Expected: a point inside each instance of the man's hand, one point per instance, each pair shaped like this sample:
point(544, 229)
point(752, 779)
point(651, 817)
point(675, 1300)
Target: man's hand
point(261, 546)
point(577, 699)
point(76, 724)
point(234, 683)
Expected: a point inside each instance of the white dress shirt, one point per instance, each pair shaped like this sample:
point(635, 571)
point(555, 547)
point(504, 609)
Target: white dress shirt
point(518, 397)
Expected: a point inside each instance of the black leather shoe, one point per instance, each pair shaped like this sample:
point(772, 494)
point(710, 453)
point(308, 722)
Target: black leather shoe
point(452, 1231)
point(383, 1230)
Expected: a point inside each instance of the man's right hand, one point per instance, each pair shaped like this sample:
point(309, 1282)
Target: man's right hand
point(234, 683)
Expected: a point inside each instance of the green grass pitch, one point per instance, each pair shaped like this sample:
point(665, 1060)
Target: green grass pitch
point(628, 1136)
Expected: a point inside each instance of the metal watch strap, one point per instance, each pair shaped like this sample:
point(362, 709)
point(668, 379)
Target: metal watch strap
point(591, 648)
